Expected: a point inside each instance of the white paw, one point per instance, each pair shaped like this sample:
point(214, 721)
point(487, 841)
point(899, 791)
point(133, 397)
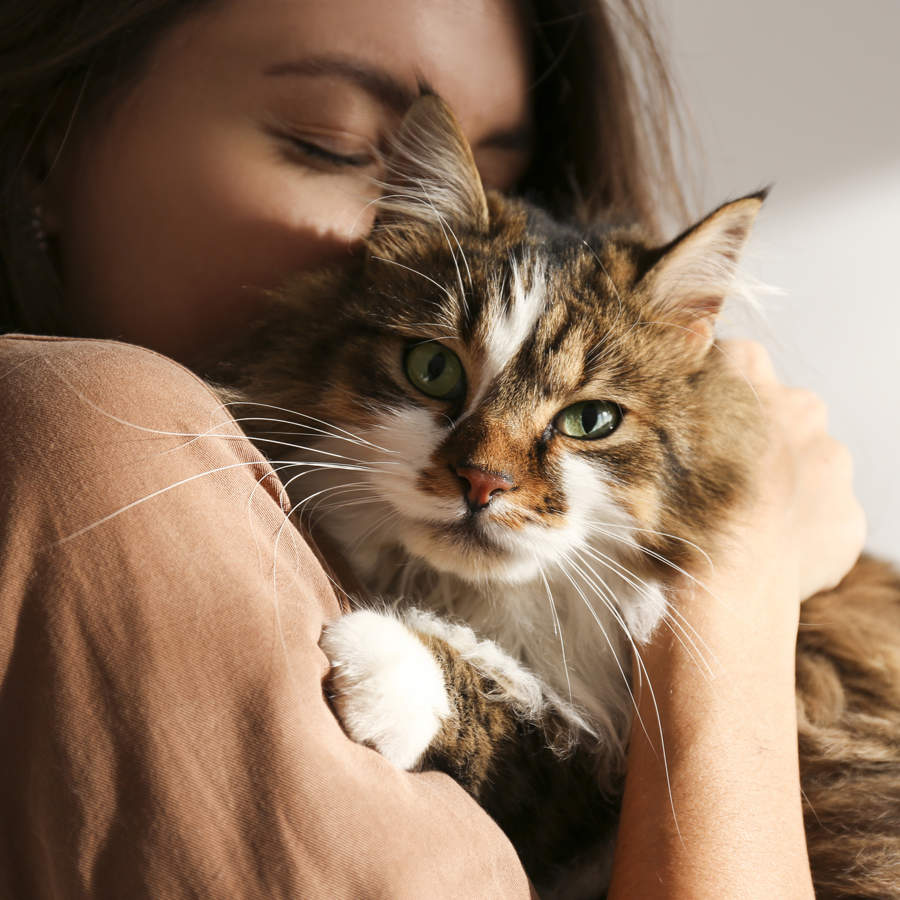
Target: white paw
point(387, 688)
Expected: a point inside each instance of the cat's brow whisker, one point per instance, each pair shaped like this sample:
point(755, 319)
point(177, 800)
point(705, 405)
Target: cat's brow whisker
point(379, 199)
point(462, 254)
point(621, 310)
point(394, 262)
point(442, 222)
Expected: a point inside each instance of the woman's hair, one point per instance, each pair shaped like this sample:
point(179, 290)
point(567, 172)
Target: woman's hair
point(603, 104)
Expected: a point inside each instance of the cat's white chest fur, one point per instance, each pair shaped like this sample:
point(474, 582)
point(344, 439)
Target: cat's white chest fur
point(578, 641)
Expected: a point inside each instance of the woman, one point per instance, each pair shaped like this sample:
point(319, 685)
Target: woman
point(164, 728)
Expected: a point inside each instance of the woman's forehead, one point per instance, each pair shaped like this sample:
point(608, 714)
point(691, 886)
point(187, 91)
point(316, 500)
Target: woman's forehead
point(475, 53)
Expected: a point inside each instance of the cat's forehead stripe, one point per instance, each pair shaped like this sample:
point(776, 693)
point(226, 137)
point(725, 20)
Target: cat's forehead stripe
point(510, 318)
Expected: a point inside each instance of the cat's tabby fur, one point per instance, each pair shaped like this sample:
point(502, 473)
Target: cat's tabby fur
point(479, 509)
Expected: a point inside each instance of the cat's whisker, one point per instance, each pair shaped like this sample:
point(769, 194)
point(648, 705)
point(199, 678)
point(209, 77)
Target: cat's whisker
point(642, 587)
point(287, 524)
point(664, 534)
point(672, 610)
point(557, 630)
point(389, 516)
point(161, 432)
point(330, 508)
point(349, 488)
point(170, 487)
point(304, 431)
point(677, 630)
point(662, 559)
point(308, 449)
point(462, 254)
point(377, 464)
point(594, 615)
point(380, 199)
point(608, 602)
point(645, 591)
point(336, 430)
point(308, 506)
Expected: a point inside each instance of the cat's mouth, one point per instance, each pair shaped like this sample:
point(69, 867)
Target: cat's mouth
point(472, 549)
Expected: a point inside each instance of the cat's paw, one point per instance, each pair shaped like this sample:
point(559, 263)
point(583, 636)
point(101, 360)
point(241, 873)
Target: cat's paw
point(386, 687)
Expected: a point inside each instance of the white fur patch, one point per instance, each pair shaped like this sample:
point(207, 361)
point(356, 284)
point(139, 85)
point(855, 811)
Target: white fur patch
point(519, 685)
point(411, 435)
point(389, 690)
point(513, 325)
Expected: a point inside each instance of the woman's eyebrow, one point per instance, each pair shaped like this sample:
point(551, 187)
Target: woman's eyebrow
point(386, 88)
point(389, 90)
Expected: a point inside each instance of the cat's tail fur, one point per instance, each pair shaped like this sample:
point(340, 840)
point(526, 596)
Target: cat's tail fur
point(848, 705)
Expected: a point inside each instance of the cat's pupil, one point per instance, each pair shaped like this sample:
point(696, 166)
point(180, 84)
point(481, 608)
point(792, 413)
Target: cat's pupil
point(589, 417)
point(436, 366)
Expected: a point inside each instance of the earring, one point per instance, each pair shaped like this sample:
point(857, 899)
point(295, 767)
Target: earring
point(37, 228)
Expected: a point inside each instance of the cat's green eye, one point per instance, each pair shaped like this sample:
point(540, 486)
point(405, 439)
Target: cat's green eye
point(435, 370)
point(589, 420)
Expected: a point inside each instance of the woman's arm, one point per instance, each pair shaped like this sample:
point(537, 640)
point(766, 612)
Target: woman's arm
point(730, 731)
point(163, 731)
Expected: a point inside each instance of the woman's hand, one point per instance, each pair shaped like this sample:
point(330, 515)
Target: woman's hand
point(803, 515)
point(712, 804)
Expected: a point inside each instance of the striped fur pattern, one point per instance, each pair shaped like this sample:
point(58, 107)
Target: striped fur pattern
point(533, 598)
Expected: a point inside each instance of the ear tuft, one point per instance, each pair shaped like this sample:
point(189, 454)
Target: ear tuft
point(430, 171)
point(693, 275)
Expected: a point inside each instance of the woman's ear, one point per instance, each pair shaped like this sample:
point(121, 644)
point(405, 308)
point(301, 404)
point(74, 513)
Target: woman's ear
point(430, 173)
point(691, 277)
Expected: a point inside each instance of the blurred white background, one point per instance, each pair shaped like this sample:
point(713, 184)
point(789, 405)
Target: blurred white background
point(806, 96)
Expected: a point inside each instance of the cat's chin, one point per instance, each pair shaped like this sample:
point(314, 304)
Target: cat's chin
point(469, 559)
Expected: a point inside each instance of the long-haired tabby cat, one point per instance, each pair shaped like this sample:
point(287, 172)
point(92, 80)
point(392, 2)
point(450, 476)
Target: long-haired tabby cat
point(516, 431)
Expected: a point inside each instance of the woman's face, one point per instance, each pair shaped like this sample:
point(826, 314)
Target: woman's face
point(245, 153)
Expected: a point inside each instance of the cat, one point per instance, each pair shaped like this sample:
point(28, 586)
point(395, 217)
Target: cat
point(517, 431)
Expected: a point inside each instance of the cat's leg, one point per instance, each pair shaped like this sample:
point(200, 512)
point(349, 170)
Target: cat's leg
point(428, 694)
point(386, 686)
point(409, 683)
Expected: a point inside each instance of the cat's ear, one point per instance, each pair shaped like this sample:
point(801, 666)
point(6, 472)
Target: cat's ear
point(691, 276)
point(430, 173)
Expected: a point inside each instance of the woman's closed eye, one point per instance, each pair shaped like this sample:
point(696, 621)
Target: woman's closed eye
point(323, 151)
point(330, 157)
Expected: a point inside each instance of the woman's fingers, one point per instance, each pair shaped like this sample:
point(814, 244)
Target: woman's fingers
point(805, 504)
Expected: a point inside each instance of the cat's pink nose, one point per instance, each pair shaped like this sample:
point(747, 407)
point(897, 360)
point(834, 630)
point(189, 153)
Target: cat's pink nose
point(482, 485)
